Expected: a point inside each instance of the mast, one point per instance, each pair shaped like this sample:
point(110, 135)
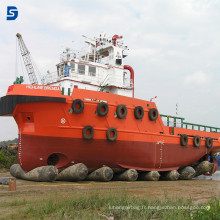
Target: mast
point(27, 60)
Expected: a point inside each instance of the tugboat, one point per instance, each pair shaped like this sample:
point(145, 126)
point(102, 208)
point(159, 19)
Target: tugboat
point(85, 116)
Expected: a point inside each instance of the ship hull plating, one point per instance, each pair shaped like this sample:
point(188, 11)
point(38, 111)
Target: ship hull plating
point(52, 131)
point(36, 151)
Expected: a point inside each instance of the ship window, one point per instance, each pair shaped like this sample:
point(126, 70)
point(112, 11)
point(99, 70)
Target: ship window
point(72, 67)
point(92, 71)
point(58, 71)
point(119, 61)
point(81, 69)
point(61, 70)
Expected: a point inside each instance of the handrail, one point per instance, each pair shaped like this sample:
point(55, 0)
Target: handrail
point(186, 125)
point(174, 119)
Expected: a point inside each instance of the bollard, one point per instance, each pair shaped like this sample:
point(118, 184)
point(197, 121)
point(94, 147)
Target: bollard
point(12, 184)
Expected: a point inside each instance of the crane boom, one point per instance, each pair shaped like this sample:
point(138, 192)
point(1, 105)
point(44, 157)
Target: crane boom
point(27, 60)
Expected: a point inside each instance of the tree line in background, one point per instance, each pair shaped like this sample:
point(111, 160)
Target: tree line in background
point(6, 143)
point(8, 153)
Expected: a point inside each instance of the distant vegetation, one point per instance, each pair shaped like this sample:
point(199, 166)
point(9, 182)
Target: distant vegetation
point(7, 157)
point(6, 143)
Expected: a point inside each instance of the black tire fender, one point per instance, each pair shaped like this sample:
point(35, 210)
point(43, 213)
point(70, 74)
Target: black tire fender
point(121, 111)
point(102, 109)
point(138, 112)
point(208, 142)
point(196, 141)
point(78, 106)
point(153, 114)
point(112, 134)
point(183, 140)
point(88, 132)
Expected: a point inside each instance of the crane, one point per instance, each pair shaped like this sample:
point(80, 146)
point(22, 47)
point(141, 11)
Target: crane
point(27, 60)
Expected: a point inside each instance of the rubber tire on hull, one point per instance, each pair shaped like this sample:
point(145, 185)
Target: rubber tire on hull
point(77, 102)
point(139, 112)
point(183, 140)
point(196, 141)
point(100, 107)
point(109, 136)
point(153, 114)
point(91, 132)
point(208, 142)
point(121, 111)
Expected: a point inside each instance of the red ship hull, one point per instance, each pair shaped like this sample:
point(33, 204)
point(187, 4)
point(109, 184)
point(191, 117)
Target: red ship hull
point(94, 154)
point(50, 133)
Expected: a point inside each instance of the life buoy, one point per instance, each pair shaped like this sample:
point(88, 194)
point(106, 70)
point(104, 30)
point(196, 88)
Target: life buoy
point(78, 106)
point(208, 142)
point(196, 141)
point(121, 111)
point(88, 132)
point(183, 140)
point(139, 112)
point(112, 134)
point(153, 114)
point(102, 109)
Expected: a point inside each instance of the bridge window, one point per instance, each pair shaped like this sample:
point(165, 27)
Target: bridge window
point(81, 69)
point(119, 61)
point(72, 67)
point(92, 71)
point(60, 70)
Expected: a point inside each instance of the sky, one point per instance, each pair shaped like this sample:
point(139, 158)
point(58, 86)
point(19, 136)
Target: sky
point(174, 47)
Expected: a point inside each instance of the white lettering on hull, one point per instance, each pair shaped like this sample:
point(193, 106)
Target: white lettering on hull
point(54, 88)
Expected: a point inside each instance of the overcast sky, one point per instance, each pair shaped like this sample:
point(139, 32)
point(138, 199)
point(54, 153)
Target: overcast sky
point(174, 47)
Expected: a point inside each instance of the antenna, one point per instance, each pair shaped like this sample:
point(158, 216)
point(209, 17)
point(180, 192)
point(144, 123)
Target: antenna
point(177, 108)
point(151, 99)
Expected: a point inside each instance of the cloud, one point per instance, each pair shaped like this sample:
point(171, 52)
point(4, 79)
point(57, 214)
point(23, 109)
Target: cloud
point(198, 78)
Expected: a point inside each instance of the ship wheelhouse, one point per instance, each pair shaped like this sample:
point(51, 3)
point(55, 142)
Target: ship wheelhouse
point(99, 67)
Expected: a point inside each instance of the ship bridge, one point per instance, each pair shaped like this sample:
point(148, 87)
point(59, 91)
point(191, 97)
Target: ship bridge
point(99, 66)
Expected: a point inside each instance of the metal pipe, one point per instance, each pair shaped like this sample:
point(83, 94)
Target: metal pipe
point(127, 67)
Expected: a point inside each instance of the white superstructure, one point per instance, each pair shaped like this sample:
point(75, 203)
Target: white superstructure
point(99, 67)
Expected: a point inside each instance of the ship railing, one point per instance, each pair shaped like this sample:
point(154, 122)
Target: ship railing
point(200, 127)
point(172, 121)
point(83, 52)
point(87, 54)
point(51, 77)
point(111, 79)
point(175, 121)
